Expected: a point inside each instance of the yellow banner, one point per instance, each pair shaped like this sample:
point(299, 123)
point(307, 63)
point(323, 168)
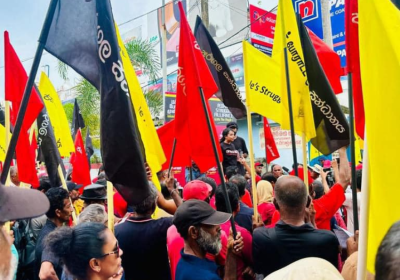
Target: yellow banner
point(58, 119)
point(287, 36)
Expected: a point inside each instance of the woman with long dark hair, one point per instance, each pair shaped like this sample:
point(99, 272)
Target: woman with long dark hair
point(89, 251)
point(229, 152)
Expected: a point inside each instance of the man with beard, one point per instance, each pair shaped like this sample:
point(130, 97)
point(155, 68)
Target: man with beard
point(16, 203)
point(199, 225)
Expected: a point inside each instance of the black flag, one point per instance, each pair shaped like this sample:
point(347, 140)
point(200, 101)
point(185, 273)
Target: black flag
point(83, 36)
point(77, 120)
point(331, 126)
point(88, 146)
point(228, 90)
point(48, 151)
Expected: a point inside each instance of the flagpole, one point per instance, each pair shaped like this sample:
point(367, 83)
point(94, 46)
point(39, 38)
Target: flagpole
point(171, 161)
point(352, 152)
point(64, 185)
point(364, 210)
point(7, 124)
point(28, 89)
point(110, 205)
point(253, 171)
point(220, 171)
point(305, 168)
point(296, 172)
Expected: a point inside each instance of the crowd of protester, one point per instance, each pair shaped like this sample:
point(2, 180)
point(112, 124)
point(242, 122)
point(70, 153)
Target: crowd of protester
point(193, 234)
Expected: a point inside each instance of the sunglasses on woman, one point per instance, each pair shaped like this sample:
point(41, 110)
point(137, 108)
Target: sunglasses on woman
point(116, 251)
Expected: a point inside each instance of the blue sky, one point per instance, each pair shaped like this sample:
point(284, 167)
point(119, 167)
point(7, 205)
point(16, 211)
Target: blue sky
point(23, 20)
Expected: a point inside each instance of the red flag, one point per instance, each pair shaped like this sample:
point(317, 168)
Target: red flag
point(191, 130)
point(353, 63)
point(330, 62)
point(272, 152)
point(79, 162)
point(33, 145)
point(166, 136)
point(15, 82)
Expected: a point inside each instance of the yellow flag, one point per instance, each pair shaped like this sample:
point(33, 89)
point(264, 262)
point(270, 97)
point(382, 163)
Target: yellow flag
point(154, 153)
point(3, 150)
point(263, 94)
point(287, 36)
point(57, 116)
point(379, 24)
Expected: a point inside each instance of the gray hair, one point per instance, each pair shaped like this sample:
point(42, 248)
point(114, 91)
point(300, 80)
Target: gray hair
point(93, 213)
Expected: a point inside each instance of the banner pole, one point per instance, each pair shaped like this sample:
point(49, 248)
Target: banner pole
point(64, 185)
point(110, 205)
point(305, 168)
point(28, 89)
point(217, 159)
point(296, 172)
point(7, 126)
point(171, 161)
point(252, 168)
point(352, 152)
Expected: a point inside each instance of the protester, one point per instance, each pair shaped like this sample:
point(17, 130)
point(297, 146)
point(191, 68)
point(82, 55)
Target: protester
point(270, 178)
point(38, 223)
point(94, 194)
point(93, 213)
point(199, 225)
point(240, 145)
point(200, 190)
point(144, 239)
point(348, 203)
point(245, 259)
point(245, 216)
point(15, 182)
point(387, 263)
point(89, 251)
point(265, 205)
point(196, 173)
point(16, 204)
point(229, 152)
point(307, 269)
point(277, 171)
point(60, 211)
point(258, 166)
point(74, 195)
point(315, 172)
point(292, 239)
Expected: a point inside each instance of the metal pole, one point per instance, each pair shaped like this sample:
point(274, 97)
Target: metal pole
point(28, 89)
point(352, 153)
point(220, 172)
point(164, 58)
point(296, 172)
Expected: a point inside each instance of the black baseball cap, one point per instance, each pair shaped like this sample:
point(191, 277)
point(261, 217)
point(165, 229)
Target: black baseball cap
point(18, 203)
point(72, 186)
point(194, 212)
point(231, 124)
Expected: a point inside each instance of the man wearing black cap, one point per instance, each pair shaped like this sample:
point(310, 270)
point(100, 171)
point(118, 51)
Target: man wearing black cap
point(94, 194)
point(239, 144)
point(73, 190)
point(199, 225)
point(15, 204)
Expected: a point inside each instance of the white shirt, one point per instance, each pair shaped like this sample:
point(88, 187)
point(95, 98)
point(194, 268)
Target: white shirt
point(348, 204)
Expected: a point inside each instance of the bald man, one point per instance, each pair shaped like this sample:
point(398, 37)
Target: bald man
point(292, 239)
point(277, 171)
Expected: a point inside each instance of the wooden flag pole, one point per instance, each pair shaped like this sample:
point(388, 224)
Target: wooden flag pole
point(253, 170)
point(217, 159)
point(305, 168)
point(28, 89)
point(64, 185)
point(352, 152)
point(296, 172)
point(110, 205)
point(7, 124)
point(171, 161)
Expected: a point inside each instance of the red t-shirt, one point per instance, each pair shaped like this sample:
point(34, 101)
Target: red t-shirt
point(246, 199)
point(247, 253)
point(175, 244)
point(327, 205)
